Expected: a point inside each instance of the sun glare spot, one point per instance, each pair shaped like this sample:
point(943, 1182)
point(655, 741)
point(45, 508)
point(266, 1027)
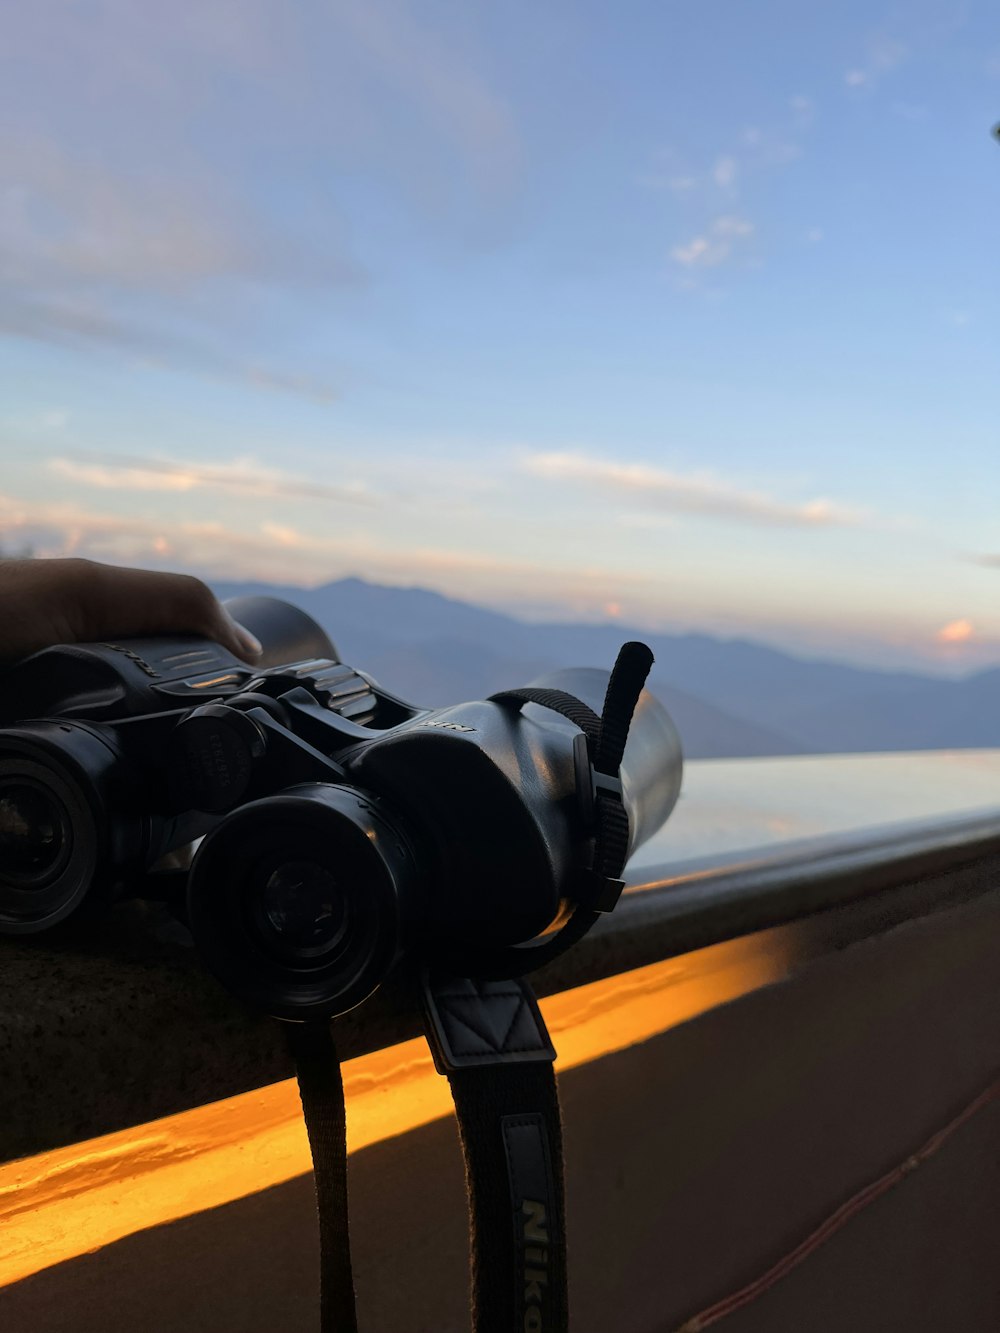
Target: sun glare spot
point(956, 631)
point(613, 609)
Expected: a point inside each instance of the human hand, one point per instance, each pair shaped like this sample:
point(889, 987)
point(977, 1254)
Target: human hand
point(43, 602)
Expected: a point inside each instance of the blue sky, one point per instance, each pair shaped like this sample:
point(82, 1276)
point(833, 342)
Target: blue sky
point(685, 314)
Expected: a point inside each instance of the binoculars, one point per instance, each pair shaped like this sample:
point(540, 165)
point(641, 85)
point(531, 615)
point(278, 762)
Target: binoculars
point(340, 827)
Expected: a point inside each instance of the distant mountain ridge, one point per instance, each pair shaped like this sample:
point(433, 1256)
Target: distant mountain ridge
point(729, 697)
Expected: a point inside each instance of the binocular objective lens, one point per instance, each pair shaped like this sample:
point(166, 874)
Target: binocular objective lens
point(34, 833)
point(305, 907)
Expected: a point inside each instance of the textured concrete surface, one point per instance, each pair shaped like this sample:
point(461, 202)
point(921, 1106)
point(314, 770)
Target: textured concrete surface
point(116, 1028)
point(124, 1025)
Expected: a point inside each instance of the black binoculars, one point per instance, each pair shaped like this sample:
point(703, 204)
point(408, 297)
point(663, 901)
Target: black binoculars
point(340, 827)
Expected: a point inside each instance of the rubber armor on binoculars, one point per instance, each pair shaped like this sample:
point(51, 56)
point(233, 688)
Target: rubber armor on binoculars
point(341, 826)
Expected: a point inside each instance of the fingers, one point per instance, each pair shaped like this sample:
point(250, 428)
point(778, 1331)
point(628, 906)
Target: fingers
point(106, 600)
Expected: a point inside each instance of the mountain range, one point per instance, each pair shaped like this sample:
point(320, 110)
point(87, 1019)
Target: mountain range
point(728, 697)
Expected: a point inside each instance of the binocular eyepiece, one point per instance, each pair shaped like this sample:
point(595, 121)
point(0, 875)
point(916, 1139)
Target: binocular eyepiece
point(341, 826)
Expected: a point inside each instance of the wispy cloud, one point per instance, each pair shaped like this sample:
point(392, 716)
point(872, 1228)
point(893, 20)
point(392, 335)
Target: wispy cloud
point(883, 54)
point(119, 262)
point(912, 33)
point(67, 218)
point(911, 111)
point(750, 152)
point(988, 559)
point(724, 172)
point(441, 84)
point(676, 184)
point(714, 246)
point(276, 552)
point(243, 476)
point(87, 322)
point(173, 241)
point(714, 189)
point(803, 109)
point(700, 494)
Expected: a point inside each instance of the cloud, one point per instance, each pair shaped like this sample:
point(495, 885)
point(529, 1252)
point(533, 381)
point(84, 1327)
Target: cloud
point(883, 54)
point(86, 322)
point(71, 221)
point(703, 495)
point(714, 246)
point(724, 172)
point(119, 264)
point(281, 553)
point(242, 475)
point(987, 559)
point(67, 219)
point(911, 111)
point(803, 109)
point(330, 75)
point(152, 202)
point(766, 150)
point(440, 82)
point(753, 153)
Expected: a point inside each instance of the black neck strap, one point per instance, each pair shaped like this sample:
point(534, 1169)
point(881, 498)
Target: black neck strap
point(490, 1040)
point(321, 1088)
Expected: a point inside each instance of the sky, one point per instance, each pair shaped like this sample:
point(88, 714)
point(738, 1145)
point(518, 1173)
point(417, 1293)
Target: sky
point(679, 314)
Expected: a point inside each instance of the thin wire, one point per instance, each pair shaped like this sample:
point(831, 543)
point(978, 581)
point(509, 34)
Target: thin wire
point(838, 1219)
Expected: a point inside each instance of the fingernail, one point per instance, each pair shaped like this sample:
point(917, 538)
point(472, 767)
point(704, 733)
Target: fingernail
point(250, 645)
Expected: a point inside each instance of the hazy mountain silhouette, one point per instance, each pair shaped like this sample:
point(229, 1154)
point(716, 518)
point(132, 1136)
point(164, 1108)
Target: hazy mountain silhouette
point(729, 697)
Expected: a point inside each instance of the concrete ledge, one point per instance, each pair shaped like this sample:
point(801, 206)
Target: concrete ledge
point(124, 1025)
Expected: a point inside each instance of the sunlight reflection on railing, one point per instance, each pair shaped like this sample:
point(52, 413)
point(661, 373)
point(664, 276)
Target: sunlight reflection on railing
point(68, 1202)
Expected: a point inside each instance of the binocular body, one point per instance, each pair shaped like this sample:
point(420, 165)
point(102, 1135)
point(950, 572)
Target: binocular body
point(340, 826)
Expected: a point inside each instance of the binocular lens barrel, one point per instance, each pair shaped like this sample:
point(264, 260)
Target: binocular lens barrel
point(35, 832)
point(300, 903)
point(286, 633)
point(49, 844)
point(653, 763)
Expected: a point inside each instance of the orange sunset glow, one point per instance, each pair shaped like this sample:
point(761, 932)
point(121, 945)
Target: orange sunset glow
point(956, 631)
point(74, 1200)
